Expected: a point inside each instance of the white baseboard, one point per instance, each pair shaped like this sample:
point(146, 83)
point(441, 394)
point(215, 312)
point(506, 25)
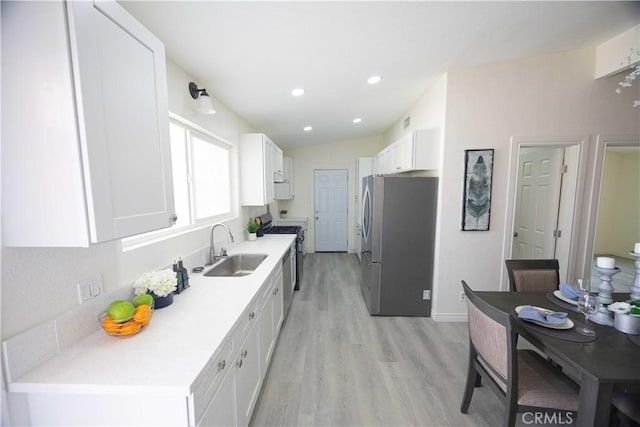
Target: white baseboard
point(449, 317)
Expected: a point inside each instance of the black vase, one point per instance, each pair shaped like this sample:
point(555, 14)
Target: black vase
point(160, 302)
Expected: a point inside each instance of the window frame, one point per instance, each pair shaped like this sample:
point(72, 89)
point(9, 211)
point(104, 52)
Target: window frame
point(140, 240)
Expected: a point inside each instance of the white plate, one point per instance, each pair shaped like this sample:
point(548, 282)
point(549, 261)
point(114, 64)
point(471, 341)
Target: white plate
point(568, 324)
point(559, 295)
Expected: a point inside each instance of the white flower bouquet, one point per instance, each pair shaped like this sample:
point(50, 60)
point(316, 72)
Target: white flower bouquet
point(161, 283)
point(632, 307)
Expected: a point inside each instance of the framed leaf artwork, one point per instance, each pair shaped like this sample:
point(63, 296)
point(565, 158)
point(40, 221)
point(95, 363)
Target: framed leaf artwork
point(476, 203)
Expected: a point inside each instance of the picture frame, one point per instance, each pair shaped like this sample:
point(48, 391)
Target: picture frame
point(478, 179)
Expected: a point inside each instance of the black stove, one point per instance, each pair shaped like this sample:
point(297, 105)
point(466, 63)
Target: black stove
point(283, 229)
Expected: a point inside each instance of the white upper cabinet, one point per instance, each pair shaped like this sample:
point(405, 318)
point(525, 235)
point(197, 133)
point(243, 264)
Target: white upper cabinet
point(278, 164)
point(86, 154)
point(256, 169)
point(417, 150)
point(284, 190)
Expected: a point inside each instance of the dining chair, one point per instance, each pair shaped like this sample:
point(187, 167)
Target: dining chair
point(627, 408)
point(533, 275)
point(522, 379)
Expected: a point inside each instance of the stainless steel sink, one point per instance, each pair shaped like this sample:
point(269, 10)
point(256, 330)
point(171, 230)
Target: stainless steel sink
point(236, 265)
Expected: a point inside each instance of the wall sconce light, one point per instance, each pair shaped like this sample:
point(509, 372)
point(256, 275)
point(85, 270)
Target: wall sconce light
point(204, 104)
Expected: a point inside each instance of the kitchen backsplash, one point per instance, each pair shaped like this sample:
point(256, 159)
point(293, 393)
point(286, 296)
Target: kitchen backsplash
point(27, 350)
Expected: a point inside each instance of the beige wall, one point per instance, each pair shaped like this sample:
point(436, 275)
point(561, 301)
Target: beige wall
point(40, 283)
point(487, 105)
point(334, 155)
point(427, 113)
point(618, 227)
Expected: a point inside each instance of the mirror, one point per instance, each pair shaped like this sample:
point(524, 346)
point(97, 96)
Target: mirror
point(618, 219)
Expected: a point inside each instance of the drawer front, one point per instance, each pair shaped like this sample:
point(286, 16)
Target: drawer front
point(247, 320)
point(207, 382)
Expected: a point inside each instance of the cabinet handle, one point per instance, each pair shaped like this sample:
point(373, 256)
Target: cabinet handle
point(174, 218)
point(252, 315)
point(221, 365)
point(239, 363)
point(244, 353)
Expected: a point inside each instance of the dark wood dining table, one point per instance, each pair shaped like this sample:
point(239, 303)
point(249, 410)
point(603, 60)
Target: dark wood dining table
point(610, 362)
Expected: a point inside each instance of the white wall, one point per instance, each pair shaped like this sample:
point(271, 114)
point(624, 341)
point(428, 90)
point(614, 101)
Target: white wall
point(427, 113)
point(334, 155)
point(487, 105)
point(40, 283)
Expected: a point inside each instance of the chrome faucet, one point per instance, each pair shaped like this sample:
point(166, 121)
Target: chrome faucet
point(212, 251)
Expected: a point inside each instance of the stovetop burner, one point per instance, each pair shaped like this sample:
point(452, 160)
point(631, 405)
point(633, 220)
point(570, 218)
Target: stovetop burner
point(268, 228)
point(283, 229)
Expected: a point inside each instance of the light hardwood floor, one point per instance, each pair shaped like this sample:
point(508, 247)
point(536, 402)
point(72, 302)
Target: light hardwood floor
point(335, 365)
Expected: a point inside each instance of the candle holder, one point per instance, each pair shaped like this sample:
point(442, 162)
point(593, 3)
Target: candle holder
point(605, 296)
point(635, 287)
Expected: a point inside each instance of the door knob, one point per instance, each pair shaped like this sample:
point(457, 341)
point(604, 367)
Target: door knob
point(515, 234)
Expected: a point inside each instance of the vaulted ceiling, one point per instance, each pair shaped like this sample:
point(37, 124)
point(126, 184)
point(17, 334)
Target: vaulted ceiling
point(250, 55)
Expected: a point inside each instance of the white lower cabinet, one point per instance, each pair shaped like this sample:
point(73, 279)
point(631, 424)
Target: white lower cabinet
point(254, 340)
point(265, 325)
point(224, 393)
point(221, 411)
point(248, 380)
point(277, 303)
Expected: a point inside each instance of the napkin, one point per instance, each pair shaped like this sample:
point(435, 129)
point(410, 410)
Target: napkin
point(569, 291)
point(528, 312)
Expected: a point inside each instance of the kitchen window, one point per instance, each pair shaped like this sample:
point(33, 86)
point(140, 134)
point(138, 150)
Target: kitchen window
point(202, 181)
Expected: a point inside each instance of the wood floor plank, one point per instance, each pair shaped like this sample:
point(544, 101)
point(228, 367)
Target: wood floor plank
point(335, 365)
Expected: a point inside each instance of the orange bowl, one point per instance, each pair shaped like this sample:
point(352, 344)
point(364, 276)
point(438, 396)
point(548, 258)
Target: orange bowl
point(141, 318)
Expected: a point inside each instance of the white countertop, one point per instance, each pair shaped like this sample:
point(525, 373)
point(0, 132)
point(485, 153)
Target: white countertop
point(167, 356)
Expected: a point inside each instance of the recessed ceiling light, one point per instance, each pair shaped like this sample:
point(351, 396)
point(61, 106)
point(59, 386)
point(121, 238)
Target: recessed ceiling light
point(307, 128)
point(357, 120)
point(297, 92)
point(374, 79)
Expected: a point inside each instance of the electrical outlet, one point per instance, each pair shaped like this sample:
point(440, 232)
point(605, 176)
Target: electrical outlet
point(89, 289)
point(426, 294)
point(463, 297)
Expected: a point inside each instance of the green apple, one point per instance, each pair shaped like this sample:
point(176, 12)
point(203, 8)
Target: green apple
point(142, 299)
point(120, 311)
point(113, 304)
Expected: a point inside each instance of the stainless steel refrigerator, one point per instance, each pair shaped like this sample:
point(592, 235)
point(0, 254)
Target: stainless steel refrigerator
point(398, 233)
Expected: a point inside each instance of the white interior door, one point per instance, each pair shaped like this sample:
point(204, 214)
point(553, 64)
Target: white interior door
point(537, 201)
point(331, 217)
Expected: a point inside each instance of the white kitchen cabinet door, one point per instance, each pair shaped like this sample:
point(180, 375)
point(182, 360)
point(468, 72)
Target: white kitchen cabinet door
point(222, 408)
point(247, 369)
point(256, 169)
point(278, 164)
point(285, 190)
point(402, 158)
point(267, 340)
point(91, 162)
point(277, 300)
point(383, 161)
point(288, 169)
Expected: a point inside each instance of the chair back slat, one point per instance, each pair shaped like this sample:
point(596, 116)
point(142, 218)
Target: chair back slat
point(533, 275)
point(490, 341)
point(535, 280)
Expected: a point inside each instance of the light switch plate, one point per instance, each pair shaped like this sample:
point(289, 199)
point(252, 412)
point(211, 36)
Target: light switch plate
point(89, 289)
